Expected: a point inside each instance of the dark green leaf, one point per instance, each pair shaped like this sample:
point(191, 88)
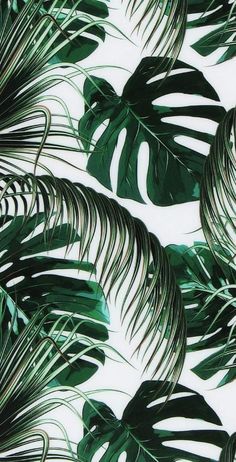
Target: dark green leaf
point(218, 193)
point(229, 452)
point(38, 286)
point(145, 121)
point(210, 300)
point(35, 40)
point(141, 432)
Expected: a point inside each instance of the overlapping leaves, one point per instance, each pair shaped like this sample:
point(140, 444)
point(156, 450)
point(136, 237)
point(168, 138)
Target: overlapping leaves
point(222, 15)
point(30, 42)
point(142, 433)
point(27, 365)
point(164, 23)
point(129, 259)
point(83, 17)
point(218, 193)
point(210, 300)
point(145, 121)
point(32, 279)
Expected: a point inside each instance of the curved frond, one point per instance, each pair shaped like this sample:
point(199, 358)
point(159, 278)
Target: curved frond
point(31, 362)
point(162, 22)
point(128, 258)
point(30, 42)
point(209, 296)
point(218, 192)
point(31, 279)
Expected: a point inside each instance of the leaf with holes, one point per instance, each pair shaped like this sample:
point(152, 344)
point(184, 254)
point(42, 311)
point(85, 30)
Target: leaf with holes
point(141, 432)
point(209, 295)
point(139, 112)
point(34, 281)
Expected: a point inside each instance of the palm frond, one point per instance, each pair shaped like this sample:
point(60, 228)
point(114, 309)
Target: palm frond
point(127, 257)
point(31, 363)
point(218, 192)
point(221, 14)
point(28, 46)
point(162, 22)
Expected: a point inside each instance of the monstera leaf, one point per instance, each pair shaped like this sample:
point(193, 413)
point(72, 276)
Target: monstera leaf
point(86, 16)
point(32, 279)
point(141, 433)
point(145, 120)
point(210, 300)
point(222, 15)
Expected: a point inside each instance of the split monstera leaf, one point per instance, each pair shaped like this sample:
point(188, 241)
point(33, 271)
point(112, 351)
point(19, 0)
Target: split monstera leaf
point(142, 433)
point(147, 121)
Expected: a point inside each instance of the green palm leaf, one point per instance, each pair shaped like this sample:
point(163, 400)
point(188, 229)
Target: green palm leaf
point(209, 295)
point(84, 12)
point(145, 119)
point(126, 256)
point(222, 15)
point(28, 45)
point(163, 23)
point(218, 192)
point(141, 434)
point(30, 363)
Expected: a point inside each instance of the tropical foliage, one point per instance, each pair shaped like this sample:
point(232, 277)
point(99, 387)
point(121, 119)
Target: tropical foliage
point(218, 195)
point(141, 432)
point(209, 297)
point(31, 361)
point(145, 120)
point(71, 256)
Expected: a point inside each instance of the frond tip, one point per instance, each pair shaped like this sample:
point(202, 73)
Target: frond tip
point(164, 19)
point(218, 192)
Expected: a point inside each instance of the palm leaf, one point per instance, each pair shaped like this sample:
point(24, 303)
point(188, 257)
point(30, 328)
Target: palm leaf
point(222, 15)
point(28, 45)
point(84, 12)
point(218, 192)
point(164, 19)
point(127, 258)
point(142, 434)
point(31, 363)
point(209, 295)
